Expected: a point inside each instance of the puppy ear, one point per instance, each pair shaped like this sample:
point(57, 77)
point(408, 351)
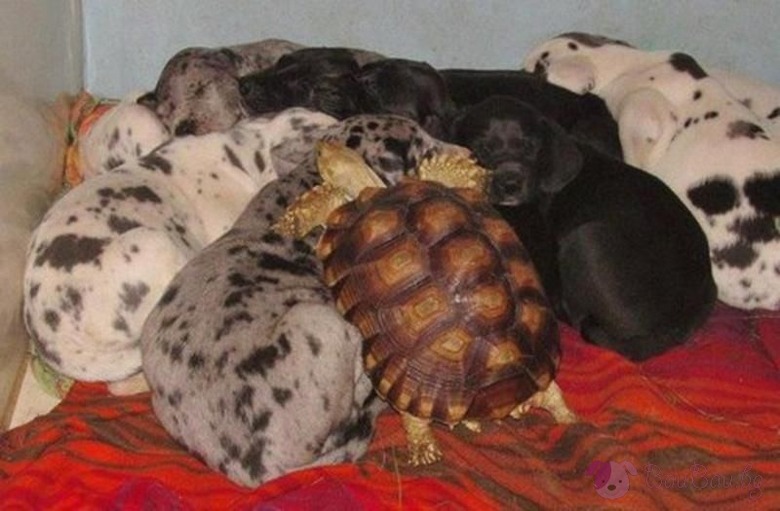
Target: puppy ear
point(646, 125)
point(564, 158)
point(434, 126)
point(149, 100)
point(630, 468)
point(339, 99)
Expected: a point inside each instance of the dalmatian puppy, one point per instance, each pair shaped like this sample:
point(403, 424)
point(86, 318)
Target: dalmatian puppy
point(105, 251)
point(125, 132)
point(587, 62)
point(250, 365)
point(681, 124)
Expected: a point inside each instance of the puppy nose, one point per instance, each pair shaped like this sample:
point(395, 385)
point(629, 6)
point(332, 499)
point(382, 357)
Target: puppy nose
point(611, 487)
point(507, 190)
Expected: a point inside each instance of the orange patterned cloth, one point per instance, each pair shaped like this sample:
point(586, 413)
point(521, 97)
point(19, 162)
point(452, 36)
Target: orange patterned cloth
point(85, 110)
point(701, 425)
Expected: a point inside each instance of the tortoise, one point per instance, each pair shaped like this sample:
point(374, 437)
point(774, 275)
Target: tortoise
point(455, 323)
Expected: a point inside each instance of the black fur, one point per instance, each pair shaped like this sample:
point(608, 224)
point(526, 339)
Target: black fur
point(585, 117)
point(321, 79)
point(408, 88)
point(621, 257)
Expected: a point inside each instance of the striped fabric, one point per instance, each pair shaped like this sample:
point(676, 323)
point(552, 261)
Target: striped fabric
point(701, 425)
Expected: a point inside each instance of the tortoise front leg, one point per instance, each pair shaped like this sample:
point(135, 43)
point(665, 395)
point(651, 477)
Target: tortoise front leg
point(423, 449)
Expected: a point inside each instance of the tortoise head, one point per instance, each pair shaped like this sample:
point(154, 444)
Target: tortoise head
point(344, 173)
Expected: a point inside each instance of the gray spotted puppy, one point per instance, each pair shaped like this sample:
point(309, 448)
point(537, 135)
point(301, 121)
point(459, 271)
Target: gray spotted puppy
point(104, 253)
point(251, 367)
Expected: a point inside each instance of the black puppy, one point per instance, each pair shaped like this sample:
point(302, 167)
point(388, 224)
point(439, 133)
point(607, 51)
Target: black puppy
point(330, 80)
point(321, 79)
point(410, 89)
point(631, 265)
point(584, 117)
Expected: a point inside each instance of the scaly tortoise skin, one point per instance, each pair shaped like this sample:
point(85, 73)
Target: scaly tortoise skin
point(456, 325)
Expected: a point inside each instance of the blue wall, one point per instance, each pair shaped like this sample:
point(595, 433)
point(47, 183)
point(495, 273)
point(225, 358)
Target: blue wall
point(127, 42)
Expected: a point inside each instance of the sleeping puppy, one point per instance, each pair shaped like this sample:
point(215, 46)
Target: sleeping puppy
point(321, 79)
point(124, 133)
point(333, 81)
point(584, 117)
point(632, 263)
point(197, 90)
point(582, 62)
point(408, 88)
point(104, 252)
point(681, 124)
point(250, 364)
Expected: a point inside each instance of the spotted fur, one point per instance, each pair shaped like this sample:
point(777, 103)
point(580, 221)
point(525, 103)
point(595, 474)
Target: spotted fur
point(198, 89)
point(105, 251)
point(126, 132)
point(250, 365)
point(587, 62)
point(688, 127)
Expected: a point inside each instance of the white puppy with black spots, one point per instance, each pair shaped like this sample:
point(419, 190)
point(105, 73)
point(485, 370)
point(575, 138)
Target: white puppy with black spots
point(249, 362)
point(127, 131)
point(104, 252)
point(681, 124)
point(587, 62)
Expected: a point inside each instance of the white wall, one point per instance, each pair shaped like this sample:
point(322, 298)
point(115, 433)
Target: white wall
point(129, 41)
point(41, 46)
point(40, 57)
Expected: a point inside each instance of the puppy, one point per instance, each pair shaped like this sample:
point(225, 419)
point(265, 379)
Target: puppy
point(332, 80)
point(105, 251)
point(197, 91)
point(250, 365)
point(321, 79)
point(679, 123)
point(585, 117)
point(583, 63)
point(408, 88)
point(632, 263)
point(124, 133)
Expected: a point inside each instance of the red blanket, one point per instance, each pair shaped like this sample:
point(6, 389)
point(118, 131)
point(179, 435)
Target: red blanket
point(700, 425)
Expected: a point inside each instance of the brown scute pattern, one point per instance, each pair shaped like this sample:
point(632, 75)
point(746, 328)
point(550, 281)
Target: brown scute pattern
point(455, 322)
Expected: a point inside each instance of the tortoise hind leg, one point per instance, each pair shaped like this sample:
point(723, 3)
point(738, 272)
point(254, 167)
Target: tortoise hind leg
point(550, 399)
point(423, 449)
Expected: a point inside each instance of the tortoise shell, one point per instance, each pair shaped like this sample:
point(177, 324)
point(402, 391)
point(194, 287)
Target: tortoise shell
point(455, 321)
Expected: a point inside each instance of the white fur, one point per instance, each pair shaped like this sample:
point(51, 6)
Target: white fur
point(124, 133)
point(105, 251)
point(590, 69)
point(684, 129)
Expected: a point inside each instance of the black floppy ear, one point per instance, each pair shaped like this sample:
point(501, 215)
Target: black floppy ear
point(149, 100)
point(339, 98)
point(434, 126)
point(564, 158)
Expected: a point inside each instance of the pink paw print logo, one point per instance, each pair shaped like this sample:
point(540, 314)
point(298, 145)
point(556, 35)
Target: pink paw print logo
point(610, 478)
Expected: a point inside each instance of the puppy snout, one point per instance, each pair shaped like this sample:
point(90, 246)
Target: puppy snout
point(508, 186)
point(611, 487)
